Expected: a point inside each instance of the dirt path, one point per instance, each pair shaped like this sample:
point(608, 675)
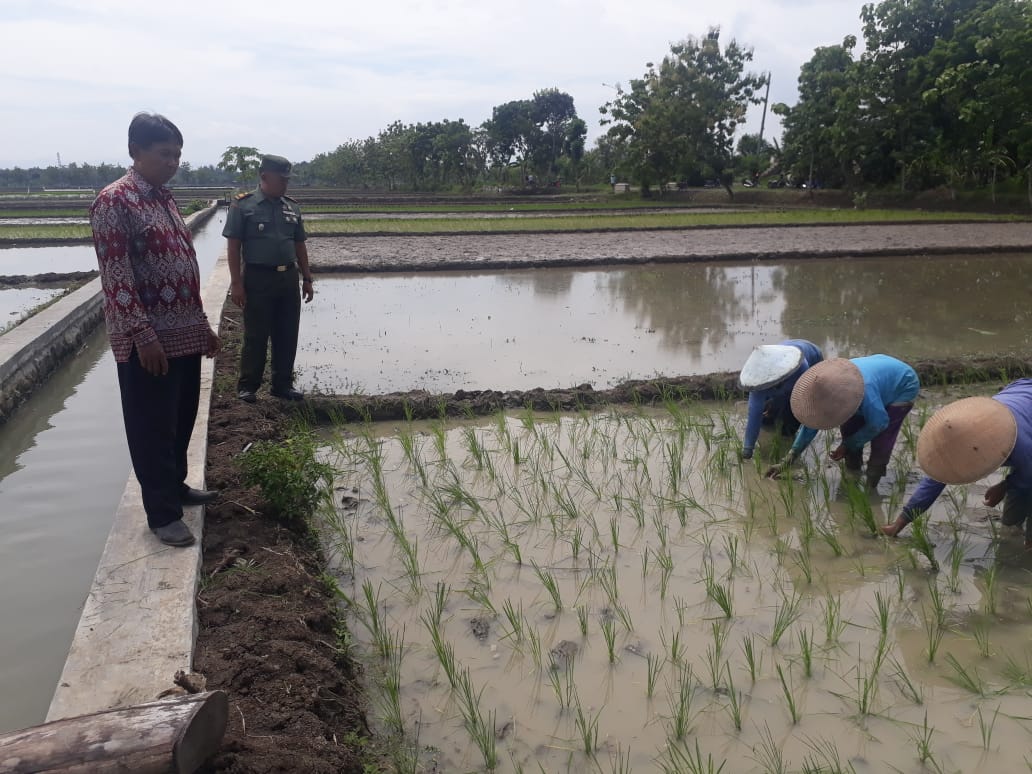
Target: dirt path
point(497, 251)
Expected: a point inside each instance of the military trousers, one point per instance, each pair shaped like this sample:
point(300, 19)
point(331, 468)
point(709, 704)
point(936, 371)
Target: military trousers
point(272, 314)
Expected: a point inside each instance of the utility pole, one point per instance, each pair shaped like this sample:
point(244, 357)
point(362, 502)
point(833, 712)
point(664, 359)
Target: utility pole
point(763, 120)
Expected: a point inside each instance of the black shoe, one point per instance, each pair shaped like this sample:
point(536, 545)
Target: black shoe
point(288, 394)
point(174, 534)
point(191, 496)
point(247, 396)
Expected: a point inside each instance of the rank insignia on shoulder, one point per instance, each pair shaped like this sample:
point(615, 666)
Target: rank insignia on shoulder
point(244, 195)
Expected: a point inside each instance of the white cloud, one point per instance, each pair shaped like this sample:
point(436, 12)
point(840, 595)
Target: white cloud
point(299, 78)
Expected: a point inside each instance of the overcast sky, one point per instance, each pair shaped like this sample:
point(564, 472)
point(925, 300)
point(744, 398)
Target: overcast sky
point(299, 77)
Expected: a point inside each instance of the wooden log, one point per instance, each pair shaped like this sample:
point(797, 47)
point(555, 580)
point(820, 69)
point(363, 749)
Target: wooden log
point(172, 735)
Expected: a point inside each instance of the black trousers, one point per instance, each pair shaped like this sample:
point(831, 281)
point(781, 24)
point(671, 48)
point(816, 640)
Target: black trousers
point(159, 414)
point(272, 313)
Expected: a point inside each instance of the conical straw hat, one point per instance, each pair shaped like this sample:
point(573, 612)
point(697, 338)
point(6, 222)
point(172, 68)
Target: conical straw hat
point(966, 440)
point(828, 394)
point(769, 364)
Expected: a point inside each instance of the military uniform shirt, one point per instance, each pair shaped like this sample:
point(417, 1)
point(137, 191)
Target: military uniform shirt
point(267, 228)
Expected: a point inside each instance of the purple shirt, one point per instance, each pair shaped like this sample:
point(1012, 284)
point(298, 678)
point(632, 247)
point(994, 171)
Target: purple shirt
point(1017, 396)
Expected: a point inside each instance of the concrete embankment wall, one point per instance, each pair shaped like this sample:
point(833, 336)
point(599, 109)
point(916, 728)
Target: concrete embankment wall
point(32, 350)
point(139, 622)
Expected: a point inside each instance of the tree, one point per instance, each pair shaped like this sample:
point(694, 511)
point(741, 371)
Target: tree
point(241, 160)
point(678, 121)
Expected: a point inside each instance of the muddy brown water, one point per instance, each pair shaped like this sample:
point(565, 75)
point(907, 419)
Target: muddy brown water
point(559, 327)
point(63, 467)
point(47, 259)
point(567, 563)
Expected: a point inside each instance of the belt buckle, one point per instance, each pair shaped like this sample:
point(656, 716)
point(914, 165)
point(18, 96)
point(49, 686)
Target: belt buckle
point(281, 268)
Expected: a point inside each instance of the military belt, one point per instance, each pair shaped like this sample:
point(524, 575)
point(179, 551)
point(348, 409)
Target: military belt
point(267, 267)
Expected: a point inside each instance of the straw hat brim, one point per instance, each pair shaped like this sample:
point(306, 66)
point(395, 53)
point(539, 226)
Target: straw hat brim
point(769, 364)
point(966, 440)
point(828, 394)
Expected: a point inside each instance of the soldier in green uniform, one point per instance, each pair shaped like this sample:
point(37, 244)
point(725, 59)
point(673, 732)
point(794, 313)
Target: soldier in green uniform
point(267, 257)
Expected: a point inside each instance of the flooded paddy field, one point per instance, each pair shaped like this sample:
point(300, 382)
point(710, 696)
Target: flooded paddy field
point(616, 591)
point(558, 327)
point(47, 259)
point(17, 303)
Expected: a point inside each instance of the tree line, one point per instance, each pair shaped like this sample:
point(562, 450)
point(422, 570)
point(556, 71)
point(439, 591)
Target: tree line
point(939, 97)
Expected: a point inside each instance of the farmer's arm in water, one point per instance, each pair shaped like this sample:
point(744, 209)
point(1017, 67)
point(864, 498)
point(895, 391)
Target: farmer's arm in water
point(927, 492)
point(804, 437)
point(757, 400)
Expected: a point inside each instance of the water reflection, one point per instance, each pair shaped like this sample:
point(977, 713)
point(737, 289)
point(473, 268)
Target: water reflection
point(558, 327)
point(63, 466)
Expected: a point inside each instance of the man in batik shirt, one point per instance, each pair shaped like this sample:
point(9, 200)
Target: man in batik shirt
point(155, 321)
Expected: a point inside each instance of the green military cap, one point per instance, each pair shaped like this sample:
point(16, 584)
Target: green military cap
point(275, 164)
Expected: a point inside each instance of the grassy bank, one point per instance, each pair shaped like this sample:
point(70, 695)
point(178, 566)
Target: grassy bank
point(641, 221)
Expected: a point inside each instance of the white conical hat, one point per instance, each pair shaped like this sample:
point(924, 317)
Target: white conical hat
point(966, 440)
point(828, 394)
point(769, 364)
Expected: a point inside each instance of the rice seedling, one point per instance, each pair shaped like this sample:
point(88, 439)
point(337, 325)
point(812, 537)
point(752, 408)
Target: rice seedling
point(866, 689)
point(985, 728)
point(831, 614)
point(956, 558)
point(515, 619)
point(859, 503)
point(1018, 674)
point(906, 686)
point(563, 685)
point(681, 703)
point(551, 586)
point(933, 634)
point(784, 616)
point(768, 753)
point(675, 648)
point(653, 666)
point(680, 609)
point(587, 727)
point(480, 727)
point(826, 530)
point(620, 761)
point(805, 637)
point(919, 540)
point(804, 562)
point(582, 619)
point(721, 595)
point(681, 760)
point(614, 533)
point(968, 680)
point(734, 705)
point(753, 658)
point(922, 739)
point(788, 692)
point(991, 576)
point(980, 631)
point(824, 758)
point(608, 626)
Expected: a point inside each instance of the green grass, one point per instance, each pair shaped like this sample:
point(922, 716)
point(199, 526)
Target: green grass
point(63, 231)
point(64, 212)
point(633, 222)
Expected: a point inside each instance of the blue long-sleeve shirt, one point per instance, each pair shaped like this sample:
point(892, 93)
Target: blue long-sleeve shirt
point(779, 393)
point(1017, 396)
point(886, 381)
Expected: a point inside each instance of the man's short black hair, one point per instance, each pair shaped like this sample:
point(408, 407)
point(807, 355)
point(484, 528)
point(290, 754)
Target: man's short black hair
point(148, 128)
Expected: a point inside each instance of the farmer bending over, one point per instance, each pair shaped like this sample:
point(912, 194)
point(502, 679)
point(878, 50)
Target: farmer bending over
point(969, 439)
point(868, 397)
point(769, 374)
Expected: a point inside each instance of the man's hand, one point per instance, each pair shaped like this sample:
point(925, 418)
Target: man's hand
point(214, 344)
point(236, 292)
point(306, 291)
point(995, 493)
point(152, 358)
point(775, 471)
point(838, 453)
